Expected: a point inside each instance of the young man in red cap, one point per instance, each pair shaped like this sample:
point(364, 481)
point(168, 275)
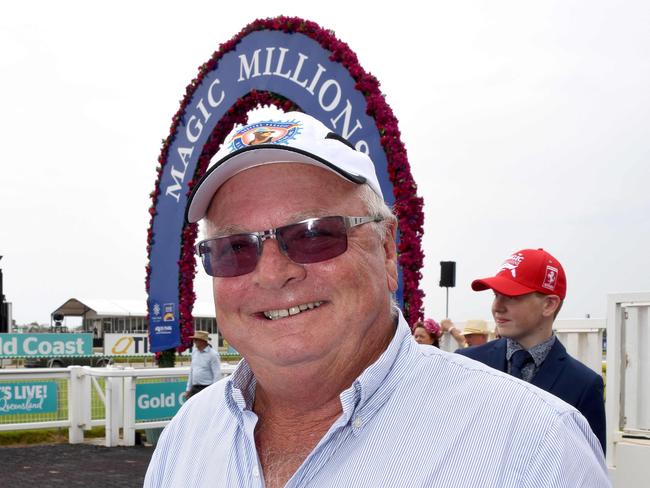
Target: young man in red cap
point(529, 290)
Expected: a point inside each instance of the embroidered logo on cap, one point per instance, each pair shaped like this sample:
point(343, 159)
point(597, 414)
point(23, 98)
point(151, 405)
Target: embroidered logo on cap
point(265, 132)
point(511, 264)
point(550, 278)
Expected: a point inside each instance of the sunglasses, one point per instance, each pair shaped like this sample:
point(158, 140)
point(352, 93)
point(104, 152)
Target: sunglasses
point(310, 241)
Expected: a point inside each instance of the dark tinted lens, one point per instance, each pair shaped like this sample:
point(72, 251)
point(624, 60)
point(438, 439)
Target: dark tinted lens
point(311, 242)
point(229, 256)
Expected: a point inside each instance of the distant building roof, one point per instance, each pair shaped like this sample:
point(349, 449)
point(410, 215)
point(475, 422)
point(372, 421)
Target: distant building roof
point(119, 308)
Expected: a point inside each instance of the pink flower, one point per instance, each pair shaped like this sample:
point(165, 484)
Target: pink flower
point(432, 327)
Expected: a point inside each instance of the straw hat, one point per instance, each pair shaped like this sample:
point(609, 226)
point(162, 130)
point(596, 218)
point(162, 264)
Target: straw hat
point(201, 335)
point(476, 327)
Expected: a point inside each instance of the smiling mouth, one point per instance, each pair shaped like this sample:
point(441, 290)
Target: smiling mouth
point(286, 312)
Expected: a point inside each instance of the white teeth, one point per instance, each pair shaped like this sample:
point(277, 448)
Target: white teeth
point(281, 313)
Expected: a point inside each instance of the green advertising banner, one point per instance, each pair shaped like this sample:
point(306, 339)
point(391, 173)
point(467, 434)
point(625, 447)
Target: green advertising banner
point(32, 397)
point(44, 345)
point(158, 400)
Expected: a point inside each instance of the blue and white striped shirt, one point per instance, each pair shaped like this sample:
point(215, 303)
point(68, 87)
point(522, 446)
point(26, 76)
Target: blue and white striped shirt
point(416, 417)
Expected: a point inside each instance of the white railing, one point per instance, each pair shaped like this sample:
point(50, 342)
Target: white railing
point(118, 396)
point(583, 339)
point(32, 421)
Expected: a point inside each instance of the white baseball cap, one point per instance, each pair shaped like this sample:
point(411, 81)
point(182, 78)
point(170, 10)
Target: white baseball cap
point(294, 137)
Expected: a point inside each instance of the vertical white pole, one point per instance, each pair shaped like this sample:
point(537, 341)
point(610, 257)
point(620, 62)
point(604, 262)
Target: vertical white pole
point(75, 409)
point(129, 410)
point(447, 304)
point(114, 398)
point(108, 407)
point(86, 397)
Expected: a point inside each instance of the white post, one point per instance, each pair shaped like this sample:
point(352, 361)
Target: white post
point(113, 410)
point(75, 409)
point(614, 376)
point(86, 398)
point(108, 404)
point(129, 410)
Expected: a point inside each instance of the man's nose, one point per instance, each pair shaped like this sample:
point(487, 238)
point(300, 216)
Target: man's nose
point(274, 269)
point(498, 304)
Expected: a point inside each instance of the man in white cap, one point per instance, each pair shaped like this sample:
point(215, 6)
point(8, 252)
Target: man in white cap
point(206, 365)
point(301, 247)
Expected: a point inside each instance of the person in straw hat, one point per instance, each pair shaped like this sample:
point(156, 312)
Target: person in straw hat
point(206, 366)
point(475, 332)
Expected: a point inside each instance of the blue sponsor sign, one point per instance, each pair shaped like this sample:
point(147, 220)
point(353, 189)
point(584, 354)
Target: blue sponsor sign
point(289, 64)
point(28, 398)
point(158, 400)
point(45, 345)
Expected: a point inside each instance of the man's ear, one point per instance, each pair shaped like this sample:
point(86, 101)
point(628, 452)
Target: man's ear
point(551, 305)
point(390, 253)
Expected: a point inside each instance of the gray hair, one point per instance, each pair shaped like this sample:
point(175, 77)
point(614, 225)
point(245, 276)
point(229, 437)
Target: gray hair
point(376, 206)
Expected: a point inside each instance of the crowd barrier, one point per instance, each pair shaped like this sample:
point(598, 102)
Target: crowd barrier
point(79, 398)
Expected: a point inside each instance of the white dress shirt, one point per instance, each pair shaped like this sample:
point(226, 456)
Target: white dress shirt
point(205, 368)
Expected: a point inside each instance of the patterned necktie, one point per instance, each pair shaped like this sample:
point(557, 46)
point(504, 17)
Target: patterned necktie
point(518, 361)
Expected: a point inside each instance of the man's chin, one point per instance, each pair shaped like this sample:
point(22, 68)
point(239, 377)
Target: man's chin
point(506, 332)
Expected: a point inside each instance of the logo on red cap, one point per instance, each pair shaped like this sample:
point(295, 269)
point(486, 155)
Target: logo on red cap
point(511, 264)
point(550, 278)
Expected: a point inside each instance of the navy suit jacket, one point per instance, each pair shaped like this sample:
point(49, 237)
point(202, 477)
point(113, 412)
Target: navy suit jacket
point(559, 374)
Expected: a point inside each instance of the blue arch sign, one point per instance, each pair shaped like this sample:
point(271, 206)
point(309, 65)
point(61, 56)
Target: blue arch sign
point(289, 64)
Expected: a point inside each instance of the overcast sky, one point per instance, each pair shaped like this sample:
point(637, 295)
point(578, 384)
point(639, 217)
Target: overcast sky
point(527, 124)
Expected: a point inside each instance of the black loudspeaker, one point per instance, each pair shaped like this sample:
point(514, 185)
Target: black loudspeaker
point(448, 273)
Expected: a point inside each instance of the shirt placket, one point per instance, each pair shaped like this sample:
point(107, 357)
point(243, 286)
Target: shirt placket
point(253, 466)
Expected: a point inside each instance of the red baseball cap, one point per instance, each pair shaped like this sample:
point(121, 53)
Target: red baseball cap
point(527, 271)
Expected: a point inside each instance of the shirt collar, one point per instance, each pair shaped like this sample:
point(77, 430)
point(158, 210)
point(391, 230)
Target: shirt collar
point(373, 386)
point(240, 388)
point(538, 351)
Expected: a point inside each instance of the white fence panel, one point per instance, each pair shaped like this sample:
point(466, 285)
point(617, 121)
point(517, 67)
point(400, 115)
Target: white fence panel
point(78, 385)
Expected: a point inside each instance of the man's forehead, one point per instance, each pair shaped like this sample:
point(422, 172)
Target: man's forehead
point(278, 194)
point(290, 218)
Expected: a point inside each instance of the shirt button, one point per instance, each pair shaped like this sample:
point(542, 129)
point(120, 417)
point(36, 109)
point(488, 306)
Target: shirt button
point(356, 423)
point(256, 472)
